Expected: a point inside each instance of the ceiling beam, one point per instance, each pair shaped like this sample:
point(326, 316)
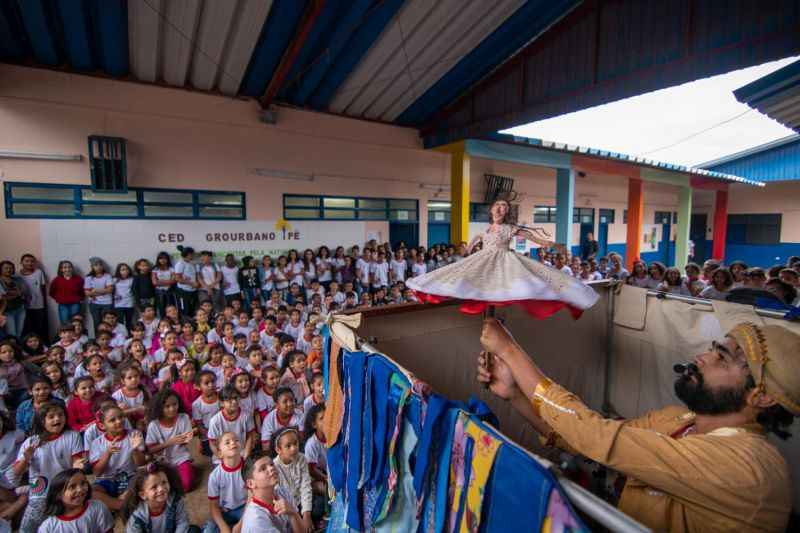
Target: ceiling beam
point(310, 16)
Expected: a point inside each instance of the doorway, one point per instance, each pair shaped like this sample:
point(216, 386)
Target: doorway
point(404, 231)
point(697, 234)
point(606, 217)
point(585, 217)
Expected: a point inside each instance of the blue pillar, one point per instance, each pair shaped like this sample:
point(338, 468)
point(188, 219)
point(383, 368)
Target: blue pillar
point(565, 202)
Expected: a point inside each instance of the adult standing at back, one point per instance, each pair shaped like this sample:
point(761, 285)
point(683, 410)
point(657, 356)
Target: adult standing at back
point(12, 299)
point(98, 286)
point(67, 290)
point(589, 248)
point(164, 280)
point(186, 274)
point(36, 284)
point(230, 279)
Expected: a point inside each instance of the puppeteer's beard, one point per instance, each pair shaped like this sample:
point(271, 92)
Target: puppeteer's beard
point(703, 400)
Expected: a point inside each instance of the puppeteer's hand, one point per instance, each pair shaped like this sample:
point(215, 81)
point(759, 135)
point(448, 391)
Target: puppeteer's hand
point(498, 376)
point(495, 338)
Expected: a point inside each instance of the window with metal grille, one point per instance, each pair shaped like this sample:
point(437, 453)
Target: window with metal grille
point(606, 216)
point(314, 207)
point(582, 215)
point(479, 212)
point(108, 164)
point(544, 213)
point(663, 217)
point(754, 229)
point(46, 200)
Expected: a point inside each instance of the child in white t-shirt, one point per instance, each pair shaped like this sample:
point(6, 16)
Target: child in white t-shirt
point(284, 415)
point(169, 434)
point(51, 449)
point(71, 510)
point(231, 418)
point(271, 508)
point(114, 457)
point(227, 494)
point(205, 407)
point(293, 471)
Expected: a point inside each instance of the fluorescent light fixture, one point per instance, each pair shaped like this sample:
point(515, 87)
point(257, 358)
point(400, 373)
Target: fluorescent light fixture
point(40, 156)
point(434, 187)
point(282, 174)
point(439, 205)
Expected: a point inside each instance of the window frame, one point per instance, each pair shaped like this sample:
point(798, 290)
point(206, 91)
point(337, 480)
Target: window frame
point(733, 232)
point(609, 213)
point(387, 211)
point(77, 202)
point(550, 218)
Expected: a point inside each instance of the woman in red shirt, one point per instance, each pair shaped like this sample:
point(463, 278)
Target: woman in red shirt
point(67, 290)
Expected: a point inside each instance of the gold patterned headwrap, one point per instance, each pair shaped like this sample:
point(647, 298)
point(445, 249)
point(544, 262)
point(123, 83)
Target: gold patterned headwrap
point(773, 355)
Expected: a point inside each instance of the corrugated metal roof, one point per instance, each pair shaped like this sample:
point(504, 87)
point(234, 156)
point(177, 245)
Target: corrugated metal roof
point(623, 158)
point(376, 59)
point(777, 95)
point(775, 161)
point(605, 51)
point(402, 61)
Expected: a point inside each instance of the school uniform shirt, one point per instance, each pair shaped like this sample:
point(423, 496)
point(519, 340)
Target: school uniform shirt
point(226, 486)
point(93, 431)
point(150, 329)
point(35, 281)
point(123, 294)
point(309, 273)
point(122, 461)
point(380, 274)
point(243, 329)
point(272, 424)
point(208, 273)
point(214, 337)
point(72, 352)
point(398, 269)
point(267, 341)
point(267, 281)
point(295, 331)
point(79, 413)
point(303, 345)
point(241, 425)
point(203, 411)
point(308, 403)
point(163, 275)
point(160, 355)
point(336, 266)
point(130, 402)
point(230, 280)
point(95, 516)
point(95, 283)
point(187, 392)
point(712, 293)
point(51, 457)
point(418, 269)
point(9, 448)
point(296, 272)
point(157, 433)
point(364, 268)
point(316, 453)
point(248, 406)
point(261, 517)
point(264, 403)
point(325, 273)
point(185, 269)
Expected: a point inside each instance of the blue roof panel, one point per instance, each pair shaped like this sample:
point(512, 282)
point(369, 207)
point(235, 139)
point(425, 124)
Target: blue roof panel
point(778, 161)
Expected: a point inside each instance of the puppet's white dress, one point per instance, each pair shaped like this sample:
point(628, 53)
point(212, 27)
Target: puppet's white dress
point(496, 275)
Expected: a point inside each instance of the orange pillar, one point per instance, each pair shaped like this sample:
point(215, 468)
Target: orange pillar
point(635, 215)
point(720, 225)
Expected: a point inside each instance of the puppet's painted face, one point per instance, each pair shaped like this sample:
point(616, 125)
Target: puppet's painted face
point(499, 210)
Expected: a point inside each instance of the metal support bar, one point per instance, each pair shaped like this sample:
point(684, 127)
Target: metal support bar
point(700, 301)
point(45, 157)
point(607, 408)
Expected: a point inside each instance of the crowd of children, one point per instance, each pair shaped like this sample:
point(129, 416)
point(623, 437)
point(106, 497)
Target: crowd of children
point(110, 417)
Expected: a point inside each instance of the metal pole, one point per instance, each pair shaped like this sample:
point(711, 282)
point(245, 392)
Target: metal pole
point(700, 301)
point(607, 408)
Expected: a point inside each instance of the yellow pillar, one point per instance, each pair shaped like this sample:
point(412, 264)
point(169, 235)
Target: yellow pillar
point(459, 191)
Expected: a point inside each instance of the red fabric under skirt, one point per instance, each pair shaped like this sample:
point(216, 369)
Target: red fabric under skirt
point(536, 308)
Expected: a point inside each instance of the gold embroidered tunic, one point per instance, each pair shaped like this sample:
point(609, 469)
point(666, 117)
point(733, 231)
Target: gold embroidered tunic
point(731, 479)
